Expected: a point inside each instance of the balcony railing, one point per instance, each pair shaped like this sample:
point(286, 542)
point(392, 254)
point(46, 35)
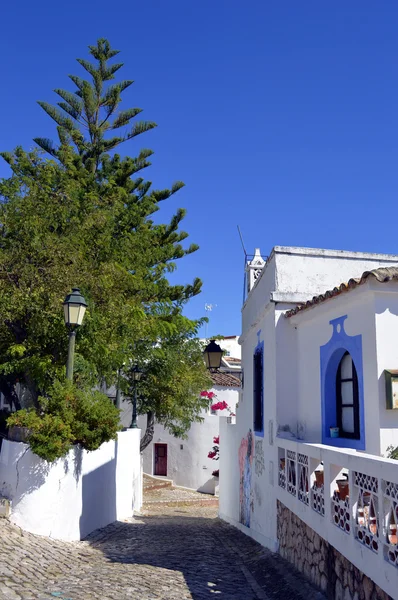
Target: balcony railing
point(349, 498)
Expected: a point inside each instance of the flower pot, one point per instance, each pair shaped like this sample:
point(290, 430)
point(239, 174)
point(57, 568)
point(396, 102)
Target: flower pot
point(18, 434)
point(373, 525)
point(282, 464)
point(319, 478)
point(334, 432)
point(344, 488)
point(392, 538)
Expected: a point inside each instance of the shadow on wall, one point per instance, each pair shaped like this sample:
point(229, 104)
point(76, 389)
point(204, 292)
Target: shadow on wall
point(31, 474)
point(99, 497)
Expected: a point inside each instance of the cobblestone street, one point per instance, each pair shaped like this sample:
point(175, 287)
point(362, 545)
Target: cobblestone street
point(169, 553)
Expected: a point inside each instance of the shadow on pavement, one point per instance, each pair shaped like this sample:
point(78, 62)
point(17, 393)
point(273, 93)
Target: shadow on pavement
point(215, 559)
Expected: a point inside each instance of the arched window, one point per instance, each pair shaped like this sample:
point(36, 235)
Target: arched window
point(347, 399)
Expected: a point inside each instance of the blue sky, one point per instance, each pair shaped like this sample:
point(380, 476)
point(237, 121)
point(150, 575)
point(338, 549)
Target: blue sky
point(281, 117)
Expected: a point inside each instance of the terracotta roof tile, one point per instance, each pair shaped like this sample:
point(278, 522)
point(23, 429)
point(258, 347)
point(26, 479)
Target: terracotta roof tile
point(225, 379)
point(382, 275)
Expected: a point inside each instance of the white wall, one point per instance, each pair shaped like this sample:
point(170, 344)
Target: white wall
point(386, 310)
point(77, 494)
point(313, 271)
point(231, 345)
point(190, 466)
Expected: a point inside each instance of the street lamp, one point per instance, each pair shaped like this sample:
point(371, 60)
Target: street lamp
point(74, 309)
point(136, 374)
point(213, 355)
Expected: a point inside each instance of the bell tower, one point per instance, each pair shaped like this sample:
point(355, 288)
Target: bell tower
point(253, 270)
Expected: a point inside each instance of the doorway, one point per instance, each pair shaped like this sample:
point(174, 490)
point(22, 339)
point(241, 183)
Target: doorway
point(160, 459)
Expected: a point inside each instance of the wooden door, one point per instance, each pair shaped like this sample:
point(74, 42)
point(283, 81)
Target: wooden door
point(160, 459)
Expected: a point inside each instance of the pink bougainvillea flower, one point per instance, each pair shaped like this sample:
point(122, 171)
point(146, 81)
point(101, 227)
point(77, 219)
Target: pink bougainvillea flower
point(211, 454)
point(216, 439)
point(210, 395)
point(204, 394)
point(233, 415)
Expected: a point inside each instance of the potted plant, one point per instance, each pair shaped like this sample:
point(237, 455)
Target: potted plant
point(344, 488)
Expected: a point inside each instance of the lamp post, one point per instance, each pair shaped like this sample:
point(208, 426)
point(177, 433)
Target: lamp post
point(213, 355)
point(136, 375)
point(74, 309)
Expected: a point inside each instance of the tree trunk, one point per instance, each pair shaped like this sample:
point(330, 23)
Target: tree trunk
point(150, 429)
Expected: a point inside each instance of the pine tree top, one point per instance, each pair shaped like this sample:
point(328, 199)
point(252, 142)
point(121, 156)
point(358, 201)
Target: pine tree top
point(88, 117)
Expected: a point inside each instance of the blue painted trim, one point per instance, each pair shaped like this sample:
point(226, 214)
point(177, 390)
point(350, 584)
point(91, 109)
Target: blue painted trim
point(331, 355)
point(259, 348)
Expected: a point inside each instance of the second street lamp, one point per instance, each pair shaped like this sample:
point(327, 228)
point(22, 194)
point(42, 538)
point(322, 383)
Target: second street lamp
point(74, 309)
point(136, 376)
point(213, 355)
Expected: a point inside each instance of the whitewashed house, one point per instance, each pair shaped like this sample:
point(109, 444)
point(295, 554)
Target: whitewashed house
point(185, 461)
point(319, 360)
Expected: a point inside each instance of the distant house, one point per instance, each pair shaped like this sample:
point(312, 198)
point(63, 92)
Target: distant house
point(186, 461)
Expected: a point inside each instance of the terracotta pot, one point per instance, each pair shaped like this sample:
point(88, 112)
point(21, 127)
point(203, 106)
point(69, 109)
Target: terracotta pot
point(373, 525)
point(319, 478)
point(361, 517)
point(344, 488)
point(392, 538)
point(282, 463)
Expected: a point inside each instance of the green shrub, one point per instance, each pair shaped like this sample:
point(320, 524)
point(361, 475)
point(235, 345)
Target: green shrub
point(392, 452)
point(68, 415)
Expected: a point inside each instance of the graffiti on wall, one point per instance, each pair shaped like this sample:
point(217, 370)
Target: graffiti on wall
point(259, 463)
point(246, 451)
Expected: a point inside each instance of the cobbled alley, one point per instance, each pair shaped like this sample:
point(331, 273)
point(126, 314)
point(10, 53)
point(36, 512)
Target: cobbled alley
point(170, 552)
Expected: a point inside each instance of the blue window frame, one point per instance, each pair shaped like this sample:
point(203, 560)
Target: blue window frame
point(258, 389)
point(342, 388)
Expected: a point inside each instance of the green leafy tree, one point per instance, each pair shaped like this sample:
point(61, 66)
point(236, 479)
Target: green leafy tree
point(174, 376)
point(83, 216)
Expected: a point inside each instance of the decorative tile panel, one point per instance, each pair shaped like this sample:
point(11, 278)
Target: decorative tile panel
point(341, 512)
point(303, 488)
point(291, 473)
point(366, 525)
point(282, 469)
point(318, 499)
point(390, 499)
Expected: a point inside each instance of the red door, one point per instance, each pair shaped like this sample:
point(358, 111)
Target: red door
point(160, 459)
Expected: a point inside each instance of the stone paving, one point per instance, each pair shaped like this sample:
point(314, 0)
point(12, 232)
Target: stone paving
point(167, 553)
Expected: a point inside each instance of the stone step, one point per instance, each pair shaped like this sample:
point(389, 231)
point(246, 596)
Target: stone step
point(150, 504)
point(155, 483)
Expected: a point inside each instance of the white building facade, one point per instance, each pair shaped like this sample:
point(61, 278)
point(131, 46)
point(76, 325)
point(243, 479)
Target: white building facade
point(185, 461)
point(317, 364)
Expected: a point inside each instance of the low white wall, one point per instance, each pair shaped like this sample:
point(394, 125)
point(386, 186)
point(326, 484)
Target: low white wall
point(77, 494)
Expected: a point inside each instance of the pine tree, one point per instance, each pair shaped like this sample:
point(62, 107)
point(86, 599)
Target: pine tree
point(86, 117)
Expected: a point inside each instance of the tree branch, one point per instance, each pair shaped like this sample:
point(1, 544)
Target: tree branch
point(150, 430)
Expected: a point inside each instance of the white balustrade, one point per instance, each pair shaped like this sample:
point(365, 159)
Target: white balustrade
point(349, 498)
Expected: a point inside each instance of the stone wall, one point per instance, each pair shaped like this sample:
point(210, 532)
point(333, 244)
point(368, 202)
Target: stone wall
point(322, 564)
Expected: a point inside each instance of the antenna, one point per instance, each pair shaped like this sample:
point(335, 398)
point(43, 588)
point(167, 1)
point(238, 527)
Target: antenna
point(241, 241)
